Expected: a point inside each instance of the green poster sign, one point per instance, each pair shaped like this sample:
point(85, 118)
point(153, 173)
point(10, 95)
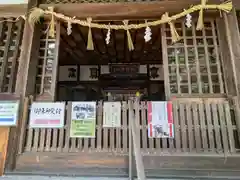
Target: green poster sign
point(83, 119)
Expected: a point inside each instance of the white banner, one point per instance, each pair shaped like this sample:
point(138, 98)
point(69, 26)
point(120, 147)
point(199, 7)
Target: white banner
point(13, 2)
point(112, 114)
point(47, 115)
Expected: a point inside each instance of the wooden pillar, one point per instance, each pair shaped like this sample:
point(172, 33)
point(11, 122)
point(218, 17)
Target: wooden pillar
point(226, 59)
point(25, 82)
point(28, 61)
point(230, 44)
point(4, 134)
point(232, 50)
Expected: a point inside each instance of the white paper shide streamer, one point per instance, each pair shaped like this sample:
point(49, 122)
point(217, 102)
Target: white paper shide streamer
point(148, 34)
point(108, 36)
point(188, 22)
point(69, 28)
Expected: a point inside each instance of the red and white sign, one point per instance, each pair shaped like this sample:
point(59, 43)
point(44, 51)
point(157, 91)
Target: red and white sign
point(160, 120)
point(47, 115)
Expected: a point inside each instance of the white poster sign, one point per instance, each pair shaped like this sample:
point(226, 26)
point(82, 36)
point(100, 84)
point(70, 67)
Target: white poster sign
point(112, 114)
point(8, 113)
point(160, 120)
point(47, 115)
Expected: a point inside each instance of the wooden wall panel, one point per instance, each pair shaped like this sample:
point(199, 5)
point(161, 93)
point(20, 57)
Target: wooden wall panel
point(10, 43)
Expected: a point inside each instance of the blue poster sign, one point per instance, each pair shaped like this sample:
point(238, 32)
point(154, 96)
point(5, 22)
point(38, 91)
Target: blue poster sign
point(9, 113)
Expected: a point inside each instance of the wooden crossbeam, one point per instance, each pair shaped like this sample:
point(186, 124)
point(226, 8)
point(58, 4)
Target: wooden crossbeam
point(130, 10)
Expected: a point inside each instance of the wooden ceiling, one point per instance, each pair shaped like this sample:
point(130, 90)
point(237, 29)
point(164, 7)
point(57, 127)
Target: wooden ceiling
point(73, 47)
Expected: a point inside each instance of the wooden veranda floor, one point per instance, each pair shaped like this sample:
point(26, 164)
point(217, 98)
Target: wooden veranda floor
point(169, 167)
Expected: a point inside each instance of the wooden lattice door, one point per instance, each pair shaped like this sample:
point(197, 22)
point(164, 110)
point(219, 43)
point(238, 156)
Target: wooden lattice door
point(10, 41)
point(192, 66)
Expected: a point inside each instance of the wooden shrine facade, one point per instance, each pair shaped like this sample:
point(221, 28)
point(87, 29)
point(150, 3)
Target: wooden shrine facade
point(200, 74)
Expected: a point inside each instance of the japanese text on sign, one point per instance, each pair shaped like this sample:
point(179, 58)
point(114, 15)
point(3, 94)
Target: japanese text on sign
point(47, 115)
point(8, 113)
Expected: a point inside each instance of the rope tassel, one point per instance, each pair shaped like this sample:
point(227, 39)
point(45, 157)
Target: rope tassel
point(130, 43)
point(226, 6)
point(52, 24)
point(200, 23)
point(90, 40)
point(35, 15)
point(174, 34)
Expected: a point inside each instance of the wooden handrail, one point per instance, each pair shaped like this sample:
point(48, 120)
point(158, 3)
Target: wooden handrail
point(135, 140)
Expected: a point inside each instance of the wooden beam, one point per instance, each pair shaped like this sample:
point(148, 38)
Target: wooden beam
point(14, 10)
point(136, 10)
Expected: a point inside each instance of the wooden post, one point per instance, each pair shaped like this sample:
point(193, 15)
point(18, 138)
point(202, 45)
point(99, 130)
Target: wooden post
point(226, 59)
point(130, 153)
point(233, 41)
point(136, 141)
point(26, 71)
point(232, 38)
point(4, 134)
